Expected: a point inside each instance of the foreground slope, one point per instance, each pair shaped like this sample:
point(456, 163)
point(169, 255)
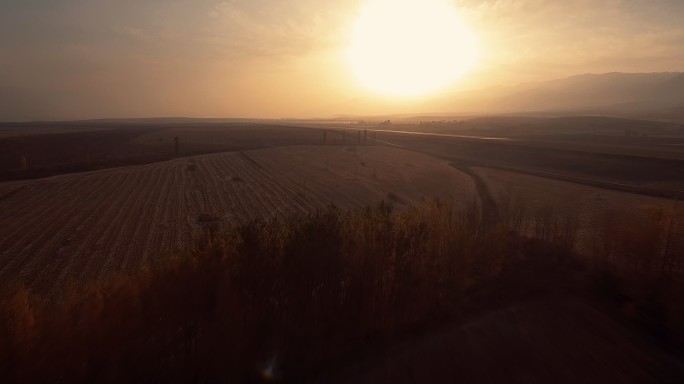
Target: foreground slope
point(422, 295)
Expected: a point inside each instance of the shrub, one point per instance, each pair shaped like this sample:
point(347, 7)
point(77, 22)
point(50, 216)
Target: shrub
point(288, 294)
point(291, 298)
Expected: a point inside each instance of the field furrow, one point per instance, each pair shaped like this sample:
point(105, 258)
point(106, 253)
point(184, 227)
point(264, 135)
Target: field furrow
point(29, 244)
point(110, 224)
point(80, 240)
point(130, 242)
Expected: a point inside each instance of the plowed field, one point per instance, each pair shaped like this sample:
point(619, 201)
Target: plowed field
point(80, 227)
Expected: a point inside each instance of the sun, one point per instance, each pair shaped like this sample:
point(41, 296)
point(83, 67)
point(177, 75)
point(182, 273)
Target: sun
point(410, 48)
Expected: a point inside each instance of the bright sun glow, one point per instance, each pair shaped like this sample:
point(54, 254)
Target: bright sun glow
point(409, 48)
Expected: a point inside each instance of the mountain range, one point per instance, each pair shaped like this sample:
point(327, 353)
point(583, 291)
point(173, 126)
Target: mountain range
point(611, 92)
point(644, 95)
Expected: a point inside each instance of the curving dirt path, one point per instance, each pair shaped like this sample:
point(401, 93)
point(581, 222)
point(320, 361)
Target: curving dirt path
point(490, 210)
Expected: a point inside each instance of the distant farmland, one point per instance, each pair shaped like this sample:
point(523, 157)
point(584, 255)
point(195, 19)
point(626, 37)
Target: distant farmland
point(81, 227)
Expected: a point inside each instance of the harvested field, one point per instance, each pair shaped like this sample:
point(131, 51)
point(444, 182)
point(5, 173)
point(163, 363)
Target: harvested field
point(594, 165)
point(539, 197)
point(79, 227)
point(207, 138)
point(79, 147)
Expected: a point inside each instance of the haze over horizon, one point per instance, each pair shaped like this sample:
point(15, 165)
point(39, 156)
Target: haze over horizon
point(75, 59)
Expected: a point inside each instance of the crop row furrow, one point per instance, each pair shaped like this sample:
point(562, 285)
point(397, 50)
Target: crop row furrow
point(180, 226)
point(214, 186)
point(175, 226)
point(7, 188)
point(239, 205)
point(224, 189)
point(43, 227)
point(108, 188)
point(267, 183)
point(97, 246)
point(162, 218)
point(284, 200)
point(89, 218)
point(156, 216)
point(323, 175)
point(331, 188)
point(202, 186)
point(194, 200)
point(12, 202)
point(52, 254)
point(148, 205)
point(296, 188)
point(124, 243)
point(254, 190)
point(233, 166)
point(28, 216)
point(294, 200)
point(153, 238)
point(111, 224)
point(308, 175)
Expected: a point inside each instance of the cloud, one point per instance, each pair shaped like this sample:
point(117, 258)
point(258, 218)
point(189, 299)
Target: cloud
point(276, 28)
point(69, 58)
point(135, 34)
point(575, 36)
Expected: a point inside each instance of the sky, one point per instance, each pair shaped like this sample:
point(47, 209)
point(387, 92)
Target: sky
point(80, 59)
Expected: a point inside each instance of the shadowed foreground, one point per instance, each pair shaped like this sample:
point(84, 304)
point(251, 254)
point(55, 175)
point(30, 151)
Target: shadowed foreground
point(548, 330)
point(427, 295)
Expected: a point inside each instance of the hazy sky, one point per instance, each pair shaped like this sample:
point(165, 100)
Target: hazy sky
point(70, 59)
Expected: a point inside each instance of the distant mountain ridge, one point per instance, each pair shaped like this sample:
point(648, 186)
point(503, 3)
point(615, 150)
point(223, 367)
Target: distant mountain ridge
point(658, 95)
point(613, 93)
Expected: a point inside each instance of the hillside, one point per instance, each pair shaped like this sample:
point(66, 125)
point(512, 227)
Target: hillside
point(80, 227)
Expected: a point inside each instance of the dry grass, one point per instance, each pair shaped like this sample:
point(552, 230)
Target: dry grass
point(293, 299)
point(300, 293)
point(636, 251)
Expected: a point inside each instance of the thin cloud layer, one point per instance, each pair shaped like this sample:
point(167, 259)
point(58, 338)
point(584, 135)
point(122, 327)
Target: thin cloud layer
point(70, 59)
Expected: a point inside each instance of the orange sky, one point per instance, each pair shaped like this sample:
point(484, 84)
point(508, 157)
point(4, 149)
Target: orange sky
point(75, 59)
